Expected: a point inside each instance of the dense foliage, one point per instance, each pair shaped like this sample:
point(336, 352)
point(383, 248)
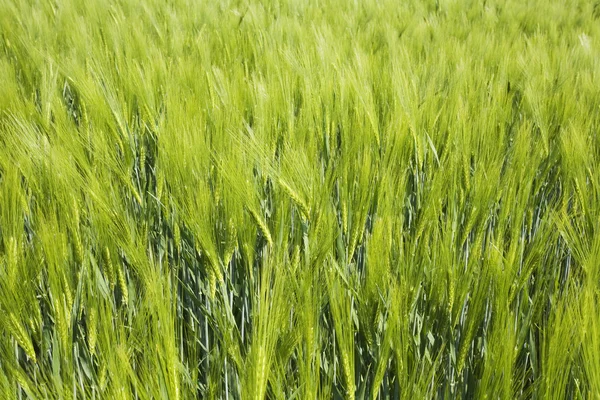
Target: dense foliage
point(299, 199)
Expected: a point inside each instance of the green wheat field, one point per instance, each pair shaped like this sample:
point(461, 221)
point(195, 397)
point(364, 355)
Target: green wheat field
point(299, 199)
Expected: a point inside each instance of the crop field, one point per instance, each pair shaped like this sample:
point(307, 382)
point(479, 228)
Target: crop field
point(299, 199)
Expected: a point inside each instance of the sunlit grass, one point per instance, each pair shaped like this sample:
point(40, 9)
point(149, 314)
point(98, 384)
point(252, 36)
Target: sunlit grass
point(299, 199)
